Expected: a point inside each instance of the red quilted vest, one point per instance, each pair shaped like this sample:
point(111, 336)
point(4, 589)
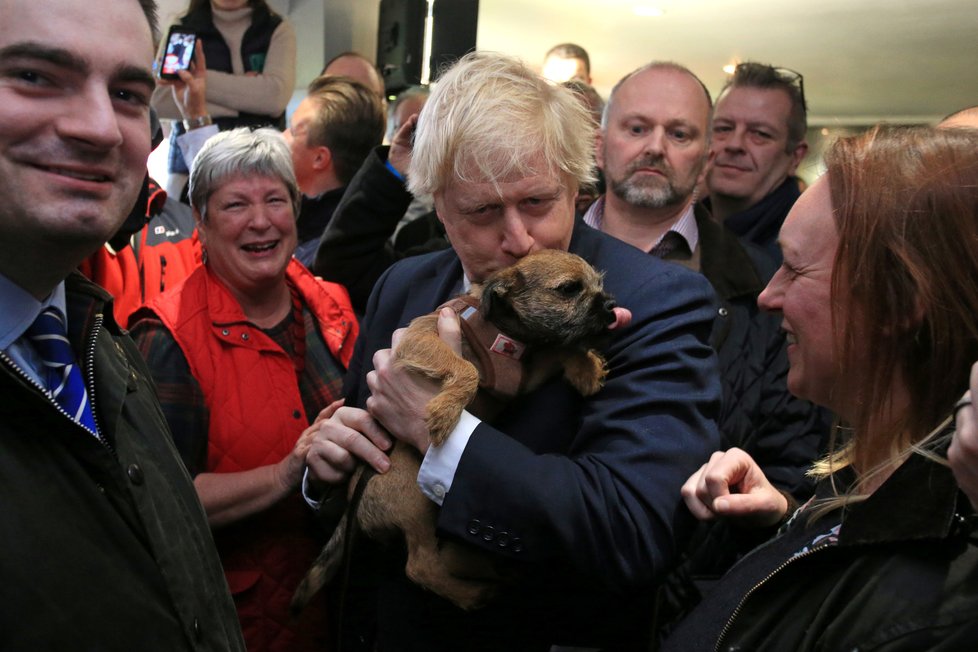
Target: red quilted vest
point(256, 416)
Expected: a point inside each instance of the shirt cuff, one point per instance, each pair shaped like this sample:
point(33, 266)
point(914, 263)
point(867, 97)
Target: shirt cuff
point(440, 462)
point(307, 490)
point(191, 141)
point(393, 170)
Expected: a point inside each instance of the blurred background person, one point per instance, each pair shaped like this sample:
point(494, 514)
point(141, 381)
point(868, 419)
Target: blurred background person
point(155, 248)
point(246, 353)
point(878, 300)
point(567, 61)
point(250, 52)
point(759, 126)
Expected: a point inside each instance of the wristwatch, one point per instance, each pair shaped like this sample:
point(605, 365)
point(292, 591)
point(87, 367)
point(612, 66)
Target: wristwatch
point(197, 123)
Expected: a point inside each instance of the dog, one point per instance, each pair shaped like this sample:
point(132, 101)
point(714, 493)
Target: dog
point(546, 314)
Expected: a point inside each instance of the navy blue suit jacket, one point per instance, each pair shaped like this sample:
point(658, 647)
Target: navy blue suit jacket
point(588, 488)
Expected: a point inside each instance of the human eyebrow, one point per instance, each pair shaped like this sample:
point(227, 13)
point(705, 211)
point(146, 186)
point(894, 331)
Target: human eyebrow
point(63, 58)
point(128, 74)
point(32, 50)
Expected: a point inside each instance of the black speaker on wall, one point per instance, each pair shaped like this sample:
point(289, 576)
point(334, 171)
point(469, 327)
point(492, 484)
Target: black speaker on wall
point(400, 38)
point(455, 25)
point(400, 42)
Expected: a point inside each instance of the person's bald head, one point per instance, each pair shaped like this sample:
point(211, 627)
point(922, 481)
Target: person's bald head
point(963, 118)
point(357, 67)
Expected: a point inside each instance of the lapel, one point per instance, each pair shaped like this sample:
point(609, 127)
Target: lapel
point(442, 282)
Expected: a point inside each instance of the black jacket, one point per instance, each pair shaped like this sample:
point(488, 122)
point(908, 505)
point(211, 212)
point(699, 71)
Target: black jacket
point(355, 249)
point(761, 223)
point(903, 576)
point(103, 546)
point(782, 433)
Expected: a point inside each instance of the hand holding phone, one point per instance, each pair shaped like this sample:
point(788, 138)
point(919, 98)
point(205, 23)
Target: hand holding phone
point(178, 53)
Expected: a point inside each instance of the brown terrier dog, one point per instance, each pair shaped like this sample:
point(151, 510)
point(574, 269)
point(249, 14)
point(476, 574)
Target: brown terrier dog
point(526, 323)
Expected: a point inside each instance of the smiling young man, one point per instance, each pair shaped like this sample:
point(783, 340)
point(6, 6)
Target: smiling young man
point(105, 544)
point(759, 127)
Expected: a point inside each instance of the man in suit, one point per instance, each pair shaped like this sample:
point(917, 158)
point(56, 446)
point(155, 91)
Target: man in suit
point(580, 496)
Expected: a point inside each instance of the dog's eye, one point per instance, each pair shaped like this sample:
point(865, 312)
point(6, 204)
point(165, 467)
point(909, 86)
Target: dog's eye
point(570, 288)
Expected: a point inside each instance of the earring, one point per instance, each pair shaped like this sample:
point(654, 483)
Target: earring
point(203, 255)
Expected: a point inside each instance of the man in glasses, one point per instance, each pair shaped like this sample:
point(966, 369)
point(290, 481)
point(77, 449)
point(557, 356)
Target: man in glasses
point(759, 127)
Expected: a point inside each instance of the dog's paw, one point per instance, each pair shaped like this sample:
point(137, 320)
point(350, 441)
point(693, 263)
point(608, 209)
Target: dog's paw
point(586, 372)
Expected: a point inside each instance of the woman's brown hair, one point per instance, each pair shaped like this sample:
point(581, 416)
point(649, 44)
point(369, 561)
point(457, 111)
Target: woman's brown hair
point(904, 283)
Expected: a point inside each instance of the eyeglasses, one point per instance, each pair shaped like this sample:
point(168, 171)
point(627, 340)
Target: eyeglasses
point(784, 75)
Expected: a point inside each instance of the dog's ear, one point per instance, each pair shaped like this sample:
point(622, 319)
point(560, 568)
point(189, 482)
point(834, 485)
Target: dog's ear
point(496, 290)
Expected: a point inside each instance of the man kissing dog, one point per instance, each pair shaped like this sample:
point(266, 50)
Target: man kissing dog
point(581, 493)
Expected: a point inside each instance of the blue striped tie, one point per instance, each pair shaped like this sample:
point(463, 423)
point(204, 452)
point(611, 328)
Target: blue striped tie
point(62, 375)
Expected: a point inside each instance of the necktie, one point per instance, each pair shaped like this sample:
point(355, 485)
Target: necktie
point(63, 377)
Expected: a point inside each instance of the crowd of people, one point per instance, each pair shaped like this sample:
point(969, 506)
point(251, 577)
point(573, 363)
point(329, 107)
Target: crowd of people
point(783, 456)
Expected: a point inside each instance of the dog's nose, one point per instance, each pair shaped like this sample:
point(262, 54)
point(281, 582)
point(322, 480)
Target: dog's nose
point(610, 304)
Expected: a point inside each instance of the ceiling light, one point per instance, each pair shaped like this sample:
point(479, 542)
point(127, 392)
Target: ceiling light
point(648, 12)
point(730, 68)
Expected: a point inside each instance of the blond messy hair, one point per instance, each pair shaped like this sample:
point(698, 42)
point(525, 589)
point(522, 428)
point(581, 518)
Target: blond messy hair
point(490, 118)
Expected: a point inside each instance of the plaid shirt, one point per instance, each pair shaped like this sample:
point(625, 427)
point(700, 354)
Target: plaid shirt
point(183, 401)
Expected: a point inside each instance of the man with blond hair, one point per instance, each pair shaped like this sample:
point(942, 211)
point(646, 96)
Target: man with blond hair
point(576, 497)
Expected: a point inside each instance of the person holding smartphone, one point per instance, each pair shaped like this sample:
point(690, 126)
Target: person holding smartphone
point(250, 52)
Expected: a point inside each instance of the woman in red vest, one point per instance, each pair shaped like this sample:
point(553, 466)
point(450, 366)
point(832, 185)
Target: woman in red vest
point(246, 353)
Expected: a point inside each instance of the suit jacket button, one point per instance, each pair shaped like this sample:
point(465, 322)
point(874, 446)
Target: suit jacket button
point(135, 474)
point(517, 545)
point(475, 526)
point(488, 533)
point(502, 540)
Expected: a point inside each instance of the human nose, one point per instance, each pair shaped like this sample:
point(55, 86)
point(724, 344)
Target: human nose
point(734, 140)
point(260, 217)
point(654, 142)
point(771, 298)
point(92, 119)
point(516, 239)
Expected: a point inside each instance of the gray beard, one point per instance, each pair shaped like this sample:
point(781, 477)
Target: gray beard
point(653, 195)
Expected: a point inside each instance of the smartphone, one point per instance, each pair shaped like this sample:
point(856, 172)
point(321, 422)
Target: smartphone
point(179, 52)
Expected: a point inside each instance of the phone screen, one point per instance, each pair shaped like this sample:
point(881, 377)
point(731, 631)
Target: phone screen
point(179, 52)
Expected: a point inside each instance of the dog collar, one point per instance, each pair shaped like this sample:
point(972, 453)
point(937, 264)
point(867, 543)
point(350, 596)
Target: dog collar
point(498, 356)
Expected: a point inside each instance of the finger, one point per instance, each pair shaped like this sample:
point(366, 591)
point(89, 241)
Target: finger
point(450, 329)
point(361, 422)
point(396, 337)
point(689, 493)
point(329, 463)
point(185, 76)
point(199, 59)
point(329, 410)
point(403, 135)
point(760, 508)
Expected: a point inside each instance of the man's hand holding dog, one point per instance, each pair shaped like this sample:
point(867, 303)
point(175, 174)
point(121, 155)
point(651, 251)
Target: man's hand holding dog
point(342, 440)
point(398, 399)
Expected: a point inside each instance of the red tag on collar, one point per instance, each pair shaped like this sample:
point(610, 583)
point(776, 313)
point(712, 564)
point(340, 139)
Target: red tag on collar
point(508, 347)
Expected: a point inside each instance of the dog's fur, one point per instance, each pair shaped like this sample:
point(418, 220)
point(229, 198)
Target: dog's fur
point(552, 302)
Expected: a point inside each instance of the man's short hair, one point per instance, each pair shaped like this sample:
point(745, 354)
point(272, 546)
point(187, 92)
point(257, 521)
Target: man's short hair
point(349, 120)
point(658, 65)
point(150, 10)
point(570, 51)
point(241, 151)
point(751, 74)
point(489, 119)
